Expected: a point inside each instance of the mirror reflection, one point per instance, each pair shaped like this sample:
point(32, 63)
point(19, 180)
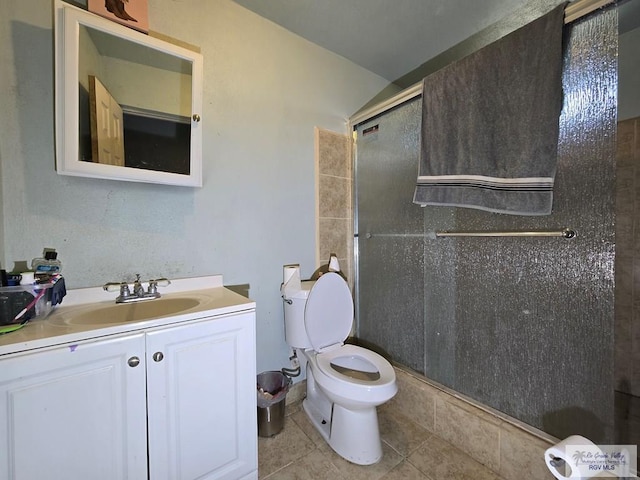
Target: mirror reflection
point(133, 114)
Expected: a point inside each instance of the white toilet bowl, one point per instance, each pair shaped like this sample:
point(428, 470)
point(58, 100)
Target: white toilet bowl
point(345, 383)
point(354, 377)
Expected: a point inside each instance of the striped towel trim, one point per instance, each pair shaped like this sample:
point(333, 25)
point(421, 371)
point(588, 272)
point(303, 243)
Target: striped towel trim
point(535, 184)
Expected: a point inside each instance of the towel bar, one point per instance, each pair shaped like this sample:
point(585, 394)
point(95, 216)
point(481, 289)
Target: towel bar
point(566, 233)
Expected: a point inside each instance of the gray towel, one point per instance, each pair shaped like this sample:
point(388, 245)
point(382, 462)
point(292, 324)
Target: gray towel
point(490, 124)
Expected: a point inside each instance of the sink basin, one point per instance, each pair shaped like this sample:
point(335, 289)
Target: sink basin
point(131, 312)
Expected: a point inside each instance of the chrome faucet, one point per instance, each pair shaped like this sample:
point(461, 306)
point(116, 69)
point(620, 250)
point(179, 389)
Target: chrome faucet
point(139, 293)
point(138, 289)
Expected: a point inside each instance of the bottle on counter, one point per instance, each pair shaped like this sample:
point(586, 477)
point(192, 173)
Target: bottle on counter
point(48, 264)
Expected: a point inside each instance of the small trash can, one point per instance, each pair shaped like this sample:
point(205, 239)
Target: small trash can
point(272, 392)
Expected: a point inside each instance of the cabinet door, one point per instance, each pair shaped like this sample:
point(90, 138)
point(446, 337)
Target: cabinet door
point(201, 386)
point(74, 412)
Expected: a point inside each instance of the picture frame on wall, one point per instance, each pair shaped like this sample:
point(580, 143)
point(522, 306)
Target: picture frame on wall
point(131, 13)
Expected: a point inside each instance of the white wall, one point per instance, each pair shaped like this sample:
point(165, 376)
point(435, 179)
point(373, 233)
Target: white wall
point(265, 91)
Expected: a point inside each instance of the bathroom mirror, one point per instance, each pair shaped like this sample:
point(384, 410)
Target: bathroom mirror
point(127, 105)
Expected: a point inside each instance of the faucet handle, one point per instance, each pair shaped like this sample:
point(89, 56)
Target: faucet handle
point(159, 282)
point(162, 282)
point(113, 286)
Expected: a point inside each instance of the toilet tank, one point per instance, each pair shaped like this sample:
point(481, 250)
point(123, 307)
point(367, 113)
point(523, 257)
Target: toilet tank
point(295, 333)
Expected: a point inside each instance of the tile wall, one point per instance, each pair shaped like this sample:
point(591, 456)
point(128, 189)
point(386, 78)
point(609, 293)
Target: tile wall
point(334, 205)
point(627, 267)
point(504, 445)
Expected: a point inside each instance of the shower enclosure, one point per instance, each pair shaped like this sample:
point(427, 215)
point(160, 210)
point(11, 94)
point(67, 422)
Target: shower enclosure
point(521, 324)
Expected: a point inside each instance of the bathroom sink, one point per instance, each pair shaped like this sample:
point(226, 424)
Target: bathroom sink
point(131, 312)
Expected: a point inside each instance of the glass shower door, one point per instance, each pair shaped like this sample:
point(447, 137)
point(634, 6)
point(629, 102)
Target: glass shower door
point(523, 325)
point(389, 236)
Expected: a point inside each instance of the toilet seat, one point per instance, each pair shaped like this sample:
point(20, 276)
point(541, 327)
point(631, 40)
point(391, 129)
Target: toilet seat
point(357, 359)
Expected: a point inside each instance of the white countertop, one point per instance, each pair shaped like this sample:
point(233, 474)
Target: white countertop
point(214, 300)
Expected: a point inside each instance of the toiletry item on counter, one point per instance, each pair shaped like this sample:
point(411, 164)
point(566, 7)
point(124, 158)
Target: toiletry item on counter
point(48, 264)
point(27, 278)
point(22, 303)
point(19, 304)
point(13, 279)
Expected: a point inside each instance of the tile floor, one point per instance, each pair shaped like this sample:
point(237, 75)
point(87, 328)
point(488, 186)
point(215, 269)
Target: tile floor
point(409, 453)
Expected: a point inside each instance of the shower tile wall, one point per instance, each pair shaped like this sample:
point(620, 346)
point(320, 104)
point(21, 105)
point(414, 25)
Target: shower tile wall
point(627, 300)
point(333, 184)
point(510, 450)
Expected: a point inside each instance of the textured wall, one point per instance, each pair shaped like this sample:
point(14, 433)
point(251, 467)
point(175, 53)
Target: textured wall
point(524, 325)
point(265, 90)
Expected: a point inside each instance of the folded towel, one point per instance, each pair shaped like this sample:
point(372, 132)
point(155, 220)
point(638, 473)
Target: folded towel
point(490, 124)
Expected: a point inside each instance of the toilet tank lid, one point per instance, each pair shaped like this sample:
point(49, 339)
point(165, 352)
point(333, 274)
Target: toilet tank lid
point(307, 285)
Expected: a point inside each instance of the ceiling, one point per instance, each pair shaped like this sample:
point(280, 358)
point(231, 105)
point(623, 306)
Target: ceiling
point(391, 37)
point(387, 37)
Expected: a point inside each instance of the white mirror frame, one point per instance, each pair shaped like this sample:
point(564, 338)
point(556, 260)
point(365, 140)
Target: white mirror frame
point(67, 22)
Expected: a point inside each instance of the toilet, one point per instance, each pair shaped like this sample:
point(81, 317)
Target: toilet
point(345, 383)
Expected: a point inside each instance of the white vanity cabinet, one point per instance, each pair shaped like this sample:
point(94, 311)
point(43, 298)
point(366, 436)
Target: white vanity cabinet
point(201, 388)
point(75, 411)
point(168, 402)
